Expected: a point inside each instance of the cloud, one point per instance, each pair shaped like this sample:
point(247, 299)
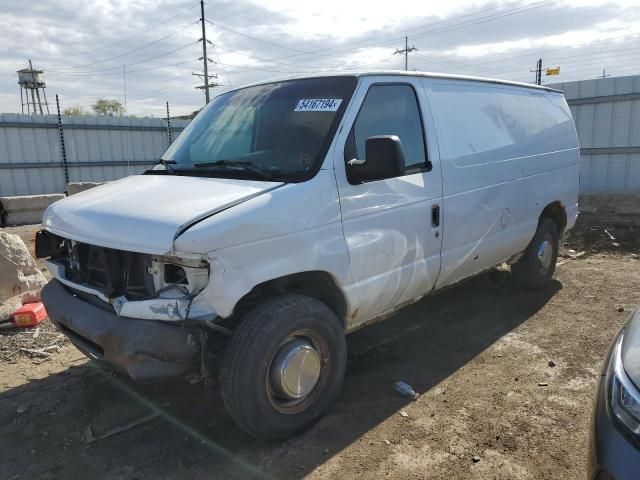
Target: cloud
point(82, 46)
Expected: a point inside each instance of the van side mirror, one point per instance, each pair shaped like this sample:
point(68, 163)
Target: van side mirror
point(384, 158)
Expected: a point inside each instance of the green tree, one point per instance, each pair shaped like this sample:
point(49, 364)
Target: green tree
point(75, 110)
point(110, 108)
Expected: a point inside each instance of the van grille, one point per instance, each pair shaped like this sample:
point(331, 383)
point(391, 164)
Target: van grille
point(112, 272)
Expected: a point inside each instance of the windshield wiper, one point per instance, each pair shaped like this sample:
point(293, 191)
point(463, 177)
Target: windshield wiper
point(167, 164)
point(248, 166)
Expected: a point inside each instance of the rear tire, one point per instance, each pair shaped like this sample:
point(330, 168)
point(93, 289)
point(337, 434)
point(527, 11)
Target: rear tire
point(284, 366)
point(535, 268)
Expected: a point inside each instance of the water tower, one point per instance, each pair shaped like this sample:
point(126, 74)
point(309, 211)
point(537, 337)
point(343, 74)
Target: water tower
point(32, 83)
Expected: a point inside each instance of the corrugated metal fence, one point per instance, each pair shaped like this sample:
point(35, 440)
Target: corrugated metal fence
point(97, 149)
point(606, 112)
point(607, 116)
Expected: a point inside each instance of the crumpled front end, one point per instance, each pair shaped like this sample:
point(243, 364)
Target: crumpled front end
point(131, 284)
point(142, 349)
point(139, 313)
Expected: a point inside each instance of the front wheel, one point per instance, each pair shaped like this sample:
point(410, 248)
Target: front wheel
point(284, 366)
point(538, 263)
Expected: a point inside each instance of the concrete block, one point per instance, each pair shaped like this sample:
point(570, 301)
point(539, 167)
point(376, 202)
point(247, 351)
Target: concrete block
point(25, 209)
point(77, 187)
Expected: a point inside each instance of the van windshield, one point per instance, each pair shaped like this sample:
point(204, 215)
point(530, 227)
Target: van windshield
point(277, 131)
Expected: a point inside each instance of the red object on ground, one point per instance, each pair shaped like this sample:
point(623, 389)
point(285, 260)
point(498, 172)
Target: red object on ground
point(29, 315)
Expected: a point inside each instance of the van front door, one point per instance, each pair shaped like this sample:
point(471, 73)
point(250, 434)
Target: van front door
point(393, 226)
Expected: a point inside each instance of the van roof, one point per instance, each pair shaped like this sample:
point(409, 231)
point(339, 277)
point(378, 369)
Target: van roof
point(405, 73)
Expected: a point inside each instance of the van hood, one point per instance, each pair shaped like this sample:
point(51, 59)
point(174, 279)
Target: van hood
point(145, 213)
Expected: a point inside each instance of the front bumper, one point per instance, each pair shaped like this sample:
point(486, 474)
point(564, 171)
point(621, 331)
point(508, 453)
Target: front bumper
point(142, 349)
point(614, 452)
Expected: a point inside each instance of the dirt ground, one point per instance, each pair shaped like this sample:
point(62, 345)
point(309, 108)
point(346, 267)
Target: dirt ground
point(480, 358)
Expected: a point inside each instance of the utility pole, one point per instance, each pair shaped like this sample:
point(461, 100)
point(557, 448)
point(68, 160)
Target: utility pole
point(205, 60)
point(406, 52)
point(168, 124)
point(538, 71)
point(124, 82)
point(202, 76)
point(63, 150)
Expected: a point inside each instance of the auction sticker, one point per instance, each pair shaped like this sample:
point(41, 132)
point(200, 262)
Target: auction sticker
point(318, 105)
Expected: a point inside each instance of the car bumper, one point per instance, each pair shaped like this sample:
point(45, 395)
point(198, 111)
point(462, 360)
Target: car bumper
point(142, 349)
point(614, 453)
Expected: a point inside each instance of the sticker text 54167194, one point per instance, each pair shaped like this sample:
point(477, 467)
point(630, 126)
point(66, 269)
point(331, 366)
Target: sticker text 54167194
point(318, 105)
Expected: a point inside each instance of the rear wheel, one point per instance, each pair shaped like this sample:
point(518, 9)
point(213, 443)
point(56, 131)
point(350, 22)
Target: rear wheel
point(284, 366)
point(538, 263)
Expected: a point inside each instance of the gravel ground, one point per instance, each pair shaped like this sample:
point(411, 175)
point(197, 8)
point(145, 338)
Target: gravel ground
point(505, 378)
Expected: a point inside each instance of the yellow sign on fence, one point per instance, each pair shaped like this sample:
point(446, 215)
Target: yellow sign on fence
point(553, 71)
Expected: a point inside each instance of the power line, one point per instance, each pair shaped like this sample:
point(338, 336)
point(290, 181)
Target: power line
point(117, 70)
point(438, 59)
point(393, 37)
point(266, 42)
point(127, 52)
point(580, 63)
point(592, 72)
point(266, 60)
point(298, 65)
point(488, 18)
point(443, 29)
point(146, 31)
point(538, 52)
point(242, 15)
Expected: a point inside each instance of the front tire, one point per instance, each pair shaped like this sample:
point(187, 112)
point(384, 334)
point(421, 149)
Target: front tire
point(284, 366)
point(535, 268)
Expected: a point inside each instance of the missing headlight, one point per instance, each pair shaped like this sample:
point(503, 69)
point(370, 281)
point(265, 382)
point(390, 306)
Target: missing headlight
point(174, 274)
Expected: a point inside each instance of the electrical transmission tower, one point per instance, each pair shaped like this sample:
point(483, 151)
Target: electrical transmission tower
point(406, 51)
point(205, 60)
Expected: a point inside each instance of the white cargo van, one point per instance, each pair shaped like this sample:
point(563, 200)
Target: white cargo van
point(290, 213)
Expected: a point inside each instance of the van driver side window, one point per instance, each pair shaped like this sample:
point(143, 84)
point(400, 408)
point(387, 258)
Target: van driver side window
point(390, 110)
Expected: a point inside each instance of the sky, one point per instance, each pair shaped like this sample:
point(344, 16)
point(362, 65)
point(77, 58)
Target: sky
point(91, 49)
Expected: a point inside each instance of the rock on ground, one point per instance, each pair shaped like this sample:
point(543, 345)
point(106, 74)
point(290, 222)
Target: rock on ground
point(18, 271)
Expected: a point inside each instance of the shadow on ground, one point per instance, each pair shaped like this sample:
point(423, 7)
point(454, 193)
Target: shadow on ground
point(194, 438)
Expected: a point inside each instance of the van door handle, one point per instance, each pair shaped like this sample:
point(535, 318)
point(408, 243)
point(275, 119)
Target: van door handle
point(435, 216)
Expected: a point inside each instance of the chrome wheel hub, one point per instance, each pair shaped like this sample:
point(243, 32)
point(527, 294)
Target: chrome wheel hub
point(295, 369)
point(545, 254)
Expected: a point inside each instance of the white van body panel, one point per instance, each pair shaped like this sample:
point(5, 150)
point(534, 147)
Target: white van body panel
point(506, 153)
point(293, 229)
point(144, 213)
